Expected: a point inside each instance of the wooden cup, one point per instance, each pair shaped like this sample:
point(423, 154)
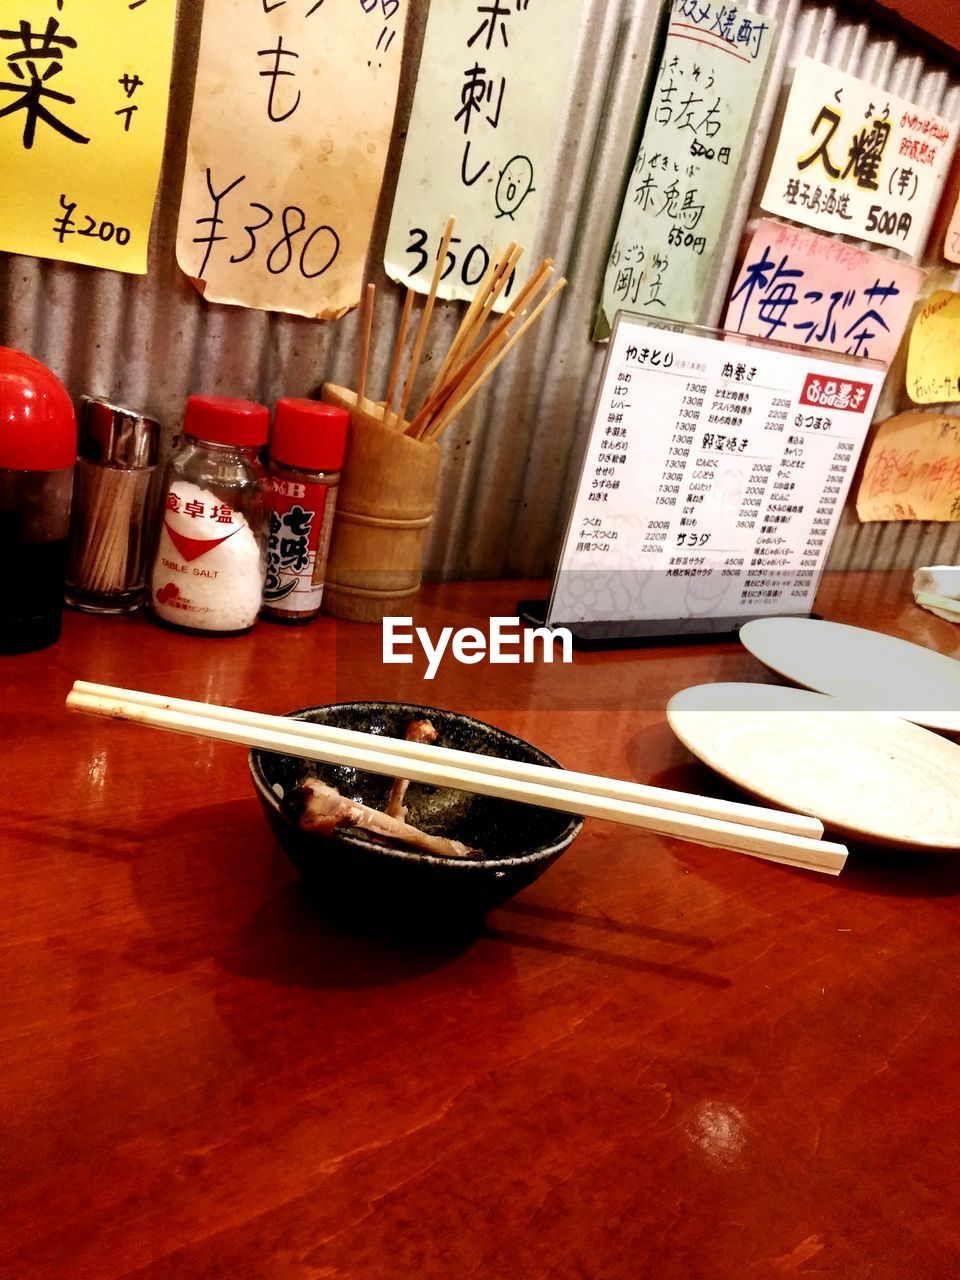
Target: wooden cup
point(384, 508)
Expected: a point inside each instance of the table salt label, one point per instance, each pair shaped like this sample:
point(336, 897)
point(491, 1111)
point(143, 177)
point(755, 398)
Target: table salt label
point(301, 522)
point(207, 573)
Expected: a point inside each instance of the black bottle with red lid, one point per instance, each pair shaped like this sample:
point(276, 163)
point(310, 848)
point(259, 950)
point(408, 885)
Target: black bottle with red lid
point(38, 450)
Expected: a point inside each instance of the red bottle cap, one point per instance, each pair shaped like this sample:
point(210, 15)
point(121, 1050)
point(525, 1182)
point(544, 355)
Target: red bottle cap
point(309, 434)
point(224, 420)
point(38, 428)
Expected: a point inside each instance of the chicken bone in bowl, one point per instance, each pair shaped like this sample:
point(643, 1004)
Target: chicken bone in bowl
point(507, 845)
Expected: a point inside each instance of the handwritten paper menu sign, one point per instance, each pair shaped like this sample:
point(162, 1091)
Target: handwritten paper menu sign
point(490, 103)
point(83, 108)
point(292, 116)
point(714, 477)
point(912, 471)
point(674, 208)
point(933, 357)
point(795, 286)
point(854, 159)
point(951, 241)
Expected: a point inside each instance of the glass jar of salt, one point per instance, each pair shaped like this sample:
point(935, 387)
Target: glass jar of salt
point(211, 553)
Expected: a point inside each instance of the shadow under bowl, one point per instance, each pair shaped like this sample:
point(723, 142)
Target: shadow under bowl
point(361, 881)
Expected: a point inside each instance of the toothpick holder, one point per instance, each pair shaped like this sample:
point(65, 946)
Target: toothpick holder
point(384, 507)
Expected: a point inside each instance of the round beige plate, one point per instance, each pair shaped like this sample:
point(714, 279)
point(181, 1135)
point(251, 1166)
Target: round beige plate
point(867, 668)
point(865, 774)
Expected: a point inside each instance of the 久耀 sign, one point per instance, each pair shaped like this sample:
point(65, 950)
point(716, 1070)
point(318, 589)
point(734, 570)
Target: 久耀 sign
point(854, 159)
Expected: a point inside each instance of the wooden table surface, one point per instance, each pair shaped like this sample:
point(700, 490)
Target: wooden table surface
point(659, 1061)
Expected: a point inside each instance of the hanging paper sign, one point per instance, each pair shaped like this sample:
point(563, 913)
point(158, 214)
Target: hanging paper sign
point(951, 241)
point(854, 159)
point(933, 357)
point(292, 116)
point(674, 208)
point(489, 107)
point(796, 286)
point(944, 237)
point(912, 471)
point(83, 109)
point(713, 480)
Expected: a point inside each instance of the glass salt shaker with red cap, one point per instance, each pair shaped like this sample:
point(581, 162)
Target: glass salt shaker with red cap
point(211, 553)
point(307, 445)
point(38, 450)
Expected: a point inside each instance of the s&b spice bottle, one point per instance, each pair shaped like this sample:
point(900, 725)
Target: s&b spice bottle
point(38, 449)
point(208, 569)
point(307, 444)
point(108, 546)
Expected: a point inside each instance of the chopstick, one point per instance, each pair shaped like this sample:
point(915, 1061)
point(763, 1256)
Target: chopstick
point(249, 729)
point(947, 603)
point(613, 788)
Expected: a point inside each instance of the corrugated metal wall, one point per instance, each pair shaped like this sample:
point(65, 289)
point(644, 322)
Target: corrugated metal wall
point(511, 461)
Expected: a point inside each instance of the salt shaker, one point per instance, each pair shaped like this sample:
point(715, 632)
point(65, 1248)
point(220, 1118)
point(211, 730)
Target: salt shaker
point(108, 546)
point(210, 559)
point(38, 449)
point(307, 444)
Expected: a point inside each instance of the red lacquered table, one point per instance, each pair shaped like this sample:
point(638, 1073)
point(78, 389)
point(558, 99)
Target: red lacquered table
point(660, 1060)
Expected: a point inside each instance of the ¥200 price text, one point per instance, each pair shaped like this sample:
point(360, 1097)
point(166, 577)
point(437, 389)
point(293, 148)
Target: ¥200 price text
point(86, 225)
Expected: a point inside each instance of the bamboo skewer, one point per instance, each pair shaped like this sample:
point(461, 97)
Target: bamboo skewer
point(367, 326)
point(773, 845)
point(483, 289)
point(466, 364)
point(397, 357)
point(503, 277)
point(461, 401)
point(478, 345)
point(425, 318)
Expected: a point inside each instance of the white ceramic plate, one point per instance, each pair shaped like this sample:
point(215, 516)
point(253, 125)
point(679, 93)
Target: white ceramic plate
point(865, 668)
point(865, 774)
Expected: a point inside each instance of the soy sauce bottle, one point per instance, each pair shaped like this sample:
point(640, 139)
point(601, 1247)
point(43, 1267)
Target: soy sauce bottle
point(38, 449)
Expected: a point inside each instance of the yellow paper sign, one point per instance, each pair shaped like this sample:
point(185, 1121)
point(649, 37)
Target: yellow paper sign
point(83, 108)
point(912, 471)
point(933, 358)
point(292, 117)
point(951, 239)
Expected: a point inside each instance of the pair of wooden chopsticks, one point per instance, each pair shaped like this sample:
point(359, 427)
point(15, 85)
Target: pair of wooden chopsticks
point(789, 838)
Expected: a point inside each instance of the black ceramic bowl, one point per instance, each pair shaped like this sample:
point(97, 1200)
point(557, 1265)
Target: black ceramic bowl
point(357, 877)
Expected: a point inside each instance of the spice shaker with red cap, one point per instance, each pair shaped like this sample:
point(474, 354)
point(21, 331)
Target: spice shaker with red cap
point(209, 564)
point(307, 445)
point(38, 450)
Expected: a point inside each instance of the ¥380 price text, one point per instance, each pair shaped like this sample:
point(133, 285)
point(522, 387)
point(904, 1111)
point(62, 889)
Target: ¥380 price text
point(283, 237)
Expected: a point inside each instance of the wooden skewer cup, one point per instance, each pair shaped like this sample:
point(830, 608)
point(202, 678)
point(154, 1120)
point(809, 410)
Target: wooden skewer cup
point(384, 507)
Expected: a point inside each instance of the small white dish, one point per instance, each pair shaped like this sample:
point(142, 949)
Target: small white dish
point(867, 775)
point(866, 669)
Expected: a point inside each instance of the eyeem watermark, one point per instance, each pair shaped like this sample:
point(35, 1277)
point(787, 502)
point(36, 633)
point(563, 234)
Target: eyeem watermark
point(509, 642)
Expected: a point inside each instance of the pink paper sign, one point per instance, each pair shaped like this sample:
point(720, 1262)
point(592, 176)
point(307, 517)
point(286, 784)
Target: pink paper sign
point(800, 287)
